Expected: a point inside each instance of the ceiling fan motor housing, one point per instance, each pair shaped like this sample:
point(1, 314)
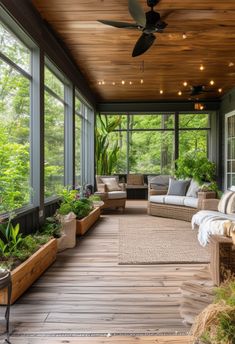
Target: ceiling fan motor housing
point(152, 3)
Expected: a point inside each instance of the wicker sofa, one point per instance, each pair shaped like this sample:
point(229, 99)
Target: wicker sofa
point(176, 207)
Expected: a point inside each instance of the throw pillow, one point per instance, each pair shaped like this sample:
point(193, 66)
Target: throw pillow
point(193, 189)
point(111, 184)
point(159, 183)
point(222, 206)
point(230, 209)
point(178, 187)
point(135, 179)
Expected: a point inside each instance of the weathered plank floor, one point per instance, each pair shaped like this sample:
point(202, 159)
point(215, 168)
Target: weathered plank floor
point(87, 292)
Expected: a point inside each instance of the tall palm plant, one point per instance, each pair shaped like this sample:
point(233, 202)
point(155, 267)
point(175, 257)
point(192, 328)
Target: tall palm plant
point(106, 156)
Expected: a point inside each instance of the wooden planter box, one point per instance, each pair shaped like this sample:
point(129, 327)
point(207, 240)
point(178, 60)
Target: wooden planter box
point(84, 224)
point(26, 273)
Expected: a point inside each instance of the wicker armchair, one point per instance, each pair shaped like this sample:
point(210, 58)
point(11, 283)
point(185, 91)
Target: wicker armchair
point(112, 199)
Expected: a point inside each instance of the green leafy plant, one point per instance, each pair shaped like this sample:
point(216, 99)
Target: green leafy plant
point(72, 203)
point(106, 155)
point(196, 166)
point(14, 248)
point(216, 323)
point(11, 237)
point(52, 227)
point(95, 198)
point(82, 208)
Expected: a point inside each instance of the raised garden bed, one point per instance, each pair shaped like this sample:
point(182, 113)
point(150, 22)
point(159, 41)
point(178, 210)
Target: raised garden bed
point(26, 273)
point(84, 224)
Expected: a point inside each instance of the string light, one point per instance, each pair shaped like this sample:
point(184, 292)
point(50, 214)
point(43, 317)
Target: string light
point(141, 81)
point(185, 83)
point(161, 91)
point(212, 82)
point(179, 93)
point(220, 90)
point(201, 67)
point(123, 82)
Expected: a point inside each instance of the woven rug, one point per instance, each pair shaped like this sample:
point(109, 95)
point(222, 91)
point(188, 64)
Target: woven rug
point(159, 241)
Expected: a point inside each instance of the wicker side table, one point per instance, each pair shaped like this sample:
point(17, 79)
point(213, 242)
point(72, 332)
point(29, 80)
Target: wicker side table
point(222, 258)
point(5, 282)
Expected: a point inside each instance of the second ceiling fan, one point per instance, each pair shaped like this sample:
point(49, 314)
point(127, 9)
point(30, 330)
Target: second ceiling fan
point(149, 23)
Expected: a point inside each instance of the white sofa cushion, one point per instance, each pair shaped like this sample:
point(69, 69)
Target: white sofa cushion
point(157, 199)
point(191, 202)
point(176, 200)
point(116, 194)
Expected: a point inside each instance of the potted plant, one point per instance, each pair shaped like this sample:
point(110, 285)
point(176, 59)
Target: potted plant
point(198, 167)
point(27, 257)
point(86, 214)
point(216, 323)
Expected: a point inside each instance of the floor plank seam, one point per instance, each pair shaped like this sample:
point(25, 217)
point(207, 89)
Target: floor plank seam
point(101, 334)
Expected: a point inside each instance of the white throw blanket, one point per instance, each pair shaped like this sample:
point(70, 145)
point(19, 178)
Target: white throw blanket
point(209, 222)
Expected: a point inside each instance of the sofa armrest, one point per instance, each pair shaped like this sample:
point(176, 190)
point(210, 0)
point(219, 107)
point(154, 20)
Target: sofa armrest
point(102, 188)
point(209, 204)
point(205, 195)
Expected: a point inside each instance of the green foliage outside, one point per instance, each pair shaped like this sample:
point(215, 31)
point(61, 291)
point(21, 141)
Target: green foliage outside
point(151, 141)
point(14, 133)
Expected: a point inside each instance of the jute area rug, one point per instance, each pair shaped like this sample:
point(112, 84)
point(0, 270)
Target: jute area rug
point(159, 241)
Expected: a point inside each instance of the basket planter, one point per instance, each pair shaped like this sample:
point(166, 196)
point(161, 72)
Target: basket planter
point(26, 273)
point(84, 224)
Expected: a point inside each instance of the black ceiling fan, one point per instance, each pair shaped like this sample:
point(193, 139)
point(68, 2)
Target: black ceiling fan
point(198, 89)
point(149, 23)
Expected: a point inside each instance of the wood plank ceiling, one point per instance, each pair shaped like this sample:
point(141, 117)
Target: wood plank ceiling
point(199, 33)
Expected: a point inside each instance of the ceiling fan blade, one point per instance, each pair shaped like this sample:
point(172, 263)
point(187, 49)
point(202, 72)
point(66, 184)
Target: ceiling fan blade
point(119, 24)
point(143, 44)
point(166, 14)
point(137, 12)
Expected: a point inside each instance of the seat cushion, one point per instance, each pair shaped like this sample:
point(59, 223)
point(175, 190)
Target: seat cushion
point(176, 200)
point(178, 187)
point(116, 194)
point(191, 202)
point(157, 199)
point(111, 184)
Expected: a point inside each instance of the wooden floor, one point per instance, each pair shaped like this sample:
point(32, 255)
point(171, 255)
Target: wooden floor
point(86, 293)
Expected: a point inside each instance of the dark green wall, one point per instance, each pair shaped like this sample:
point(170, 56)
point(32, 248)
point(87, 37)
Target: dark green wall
point(227, 105)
